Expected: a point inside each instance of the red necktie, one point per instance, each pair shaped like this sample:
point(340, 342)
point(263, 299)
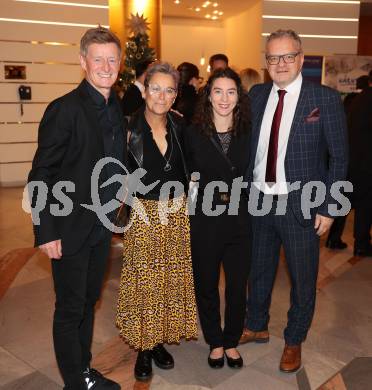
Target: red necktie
point(272, 153)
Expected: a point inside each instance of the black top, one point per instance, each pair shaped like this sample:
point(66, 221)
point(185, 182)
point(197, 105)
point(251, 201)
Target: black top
point(109, 121)
point(164, 168)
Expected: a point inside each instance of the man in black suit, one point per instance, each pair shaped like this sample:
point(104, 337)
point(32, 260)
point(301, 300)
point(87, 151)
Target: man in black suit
point(133, 96)
point(360, 130)
point(298, 135)
point(76, 131)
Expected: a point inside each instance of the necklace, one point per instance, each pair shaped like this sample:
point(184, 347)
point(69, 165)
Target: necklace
point(168, 166)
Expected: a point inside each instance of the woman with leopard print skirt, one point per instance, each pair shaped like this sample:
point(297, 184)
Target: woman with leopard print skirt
point(156, 296)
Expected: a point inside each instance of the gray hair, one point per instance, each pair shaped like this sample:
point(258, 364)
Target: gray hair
point(99, 35)
point(162, 67)
point(285, 34)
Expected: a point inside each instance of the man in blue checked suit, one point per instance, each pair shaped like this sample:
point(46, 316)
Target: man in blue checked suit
point(298, 135)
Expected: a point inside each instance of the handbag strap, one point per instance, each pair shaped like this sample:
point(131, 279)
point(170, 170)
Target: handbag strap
point(218, 147)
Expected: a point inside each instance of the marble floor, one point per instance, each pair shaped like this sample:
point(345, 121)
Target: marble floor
point(335, 354)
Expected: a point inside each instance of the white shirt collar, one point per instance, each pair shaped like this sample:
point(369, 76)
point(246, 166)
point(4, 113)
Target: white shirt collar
point(140, 86)
point(293, 87)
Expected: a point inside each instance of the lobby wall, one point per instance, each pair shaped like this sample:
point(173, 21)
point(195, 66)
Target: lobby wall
point(189, 40)
point(243, 37)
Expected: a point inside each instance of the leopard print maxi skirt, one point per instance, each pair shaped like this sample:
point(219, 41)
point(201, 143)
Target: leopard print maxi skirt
point(156, 296)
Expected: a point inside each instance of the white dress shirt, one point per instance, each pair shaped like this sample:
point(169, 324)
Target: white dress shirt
point(289, 108)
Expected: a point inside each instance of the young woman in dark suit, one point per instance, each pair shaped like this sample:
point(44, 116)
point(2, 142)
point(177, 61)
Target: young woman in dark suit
point(217, 146)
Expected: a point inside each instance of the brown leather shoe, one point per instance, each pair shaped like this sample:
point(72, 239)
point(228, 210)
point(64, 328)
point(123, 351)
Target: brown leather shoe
point(249, 336)
point(291, 358)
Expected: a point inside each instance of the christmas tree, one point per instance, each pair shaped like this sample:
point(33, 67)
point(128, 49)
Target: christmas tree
point(136, 49)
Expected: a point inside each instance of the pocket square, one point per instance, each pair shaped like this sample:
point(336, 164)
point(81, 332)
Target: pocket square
point(313, 116)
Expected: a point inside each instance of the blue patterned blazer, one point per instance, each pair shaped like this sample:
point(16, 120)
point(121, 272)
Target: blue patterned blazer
point(317, 145)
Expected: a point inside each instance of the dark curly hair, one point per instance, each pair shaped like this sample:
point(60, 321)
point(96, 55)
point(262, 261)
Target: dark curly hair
point(203, 117)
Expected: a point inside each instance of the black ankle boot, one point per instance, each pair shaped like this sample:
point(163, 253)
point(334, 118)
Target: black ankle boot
point(143, 367)
point(162, 358)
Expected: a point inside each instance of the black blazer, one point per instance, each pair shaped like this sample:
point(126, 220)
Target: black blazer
point(203, 156)
point(70, 143)
point(132, 100)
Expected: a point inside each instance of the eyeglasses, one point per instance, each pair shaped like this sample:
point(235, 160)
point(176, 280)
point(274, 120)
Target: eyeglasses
point(289, 58)
point(156, 90)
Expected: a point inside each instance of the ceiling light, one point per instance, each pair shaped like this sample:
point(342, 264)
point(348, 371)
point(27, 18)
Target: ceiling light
point(309, 18)
point(64, 3)
point(49, 22)
point(215, 4)
point(321, 36)
point(321, 1)
point(220, 13)
point(197, 9)
point(207, 16)
point(177, 1)
point(214, 17)
point(215, 11)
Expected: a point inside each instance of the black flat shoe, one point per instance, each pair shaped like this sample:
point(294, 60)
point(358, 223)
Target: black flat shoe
point(234, 363)
point(143, 367)
point(216, 363)
point(162, 358)
point(336, 244)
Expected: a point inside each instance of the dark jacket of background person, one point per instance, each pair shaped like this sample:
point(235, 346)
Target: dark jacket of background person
point(132, 100)
point(72, 120)
point(187, 96)
point(360, 135)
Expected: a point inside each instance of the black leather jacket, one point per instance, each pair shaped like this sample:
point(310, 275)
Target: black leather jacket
point(135, 142)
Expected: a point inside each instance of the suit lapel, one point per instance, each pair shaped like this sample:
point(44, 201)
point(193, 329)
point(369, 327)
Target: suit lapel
point(260, 107)
point(299, 112)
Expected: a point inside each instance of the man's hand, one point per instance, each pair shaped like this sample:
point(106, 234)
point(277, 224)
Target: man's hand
point(322, 224)
point(52, 249)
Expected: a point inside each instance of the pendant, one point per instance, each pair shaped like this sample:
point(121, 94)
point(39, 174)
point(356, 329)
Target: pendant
point(167, 167)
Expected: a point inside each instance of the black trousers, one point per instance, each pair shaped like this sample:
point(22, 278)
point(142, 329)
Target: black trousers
point(362, 212)
point(301, 247)
point(77, 283)
point(214, 241)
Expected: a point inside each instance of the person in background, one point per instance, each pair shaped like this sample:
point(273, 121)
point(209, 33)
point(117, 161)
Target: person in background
point(217, 145)
point(133, 96)
point(334, 239)
point(76, 131)
point(156, 302)
point(187, 90)
point(249, 77)
point(218, 61)
point(360, 136)
point(298, 135)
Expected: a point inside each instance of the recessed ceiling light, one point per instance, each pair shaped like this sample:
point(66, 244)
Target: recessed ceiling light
point(220, 13)
point(207, 16)
point(214, 17)
point(215, 11)
point(177, 1)
point(215, 4)
point(197, 9)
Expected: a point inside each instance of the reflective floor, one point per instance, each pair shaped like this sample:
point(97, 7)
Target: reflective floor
point(341, 330)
